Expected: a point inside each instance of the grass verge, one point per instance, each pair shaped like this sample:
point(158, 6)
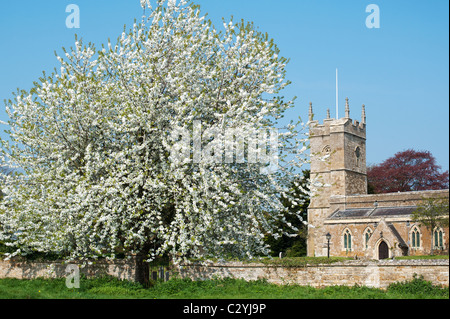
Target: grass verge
point(112, 288)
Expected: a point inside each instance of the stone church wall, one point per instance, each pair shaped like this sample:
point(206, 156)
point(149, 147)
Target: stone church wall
point(378, 226)
point(384, 200)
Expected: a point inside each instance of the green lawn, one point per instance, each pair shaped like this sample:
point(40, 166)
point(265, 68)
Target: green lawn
point(106, 288)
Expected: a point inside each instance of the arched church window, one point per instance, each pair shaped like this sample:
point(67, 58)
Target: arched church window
point(438, 238)
point(415, 238)
point(347, 240)
point(367, 235)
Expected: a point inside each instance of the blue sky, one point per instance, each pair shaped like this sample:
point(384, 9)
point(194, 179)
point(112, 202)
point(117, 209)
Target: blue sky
point(399, 71)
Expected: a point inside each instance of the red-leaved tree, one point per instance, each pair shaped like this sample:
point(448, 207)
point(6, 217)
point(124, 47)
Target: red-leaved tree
point(409, 170)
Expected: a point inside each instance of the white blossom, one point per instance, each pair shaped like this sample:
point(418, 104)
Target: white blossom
point(91, 147)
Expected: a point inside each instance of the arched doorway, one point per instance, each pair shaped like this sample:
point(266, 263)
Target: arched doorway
point(383, 250)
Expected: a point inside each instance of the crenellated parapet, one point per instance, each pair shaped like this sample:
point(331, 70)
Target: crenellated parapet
point(338, 125)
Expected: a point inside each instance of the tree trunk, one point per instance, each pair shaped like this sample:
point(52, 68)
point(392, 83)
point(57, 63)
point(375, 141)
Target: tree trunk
point(142, 270)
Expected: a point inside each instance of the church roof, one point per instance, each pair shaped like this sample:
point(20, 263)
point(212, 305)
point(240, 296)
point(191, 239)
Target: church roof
point(396, 234)
point(373, 212)
point(393, 211)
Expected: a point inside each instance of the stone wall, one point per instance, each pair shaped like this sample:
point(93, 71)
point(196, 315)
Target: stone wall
point(378, 274)
point(20, 269)
point(358, 242)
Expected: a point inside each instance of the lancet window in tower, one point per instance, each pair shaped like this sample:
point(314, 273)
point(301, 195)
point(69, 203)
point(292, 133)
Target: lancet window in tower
point(358, 156)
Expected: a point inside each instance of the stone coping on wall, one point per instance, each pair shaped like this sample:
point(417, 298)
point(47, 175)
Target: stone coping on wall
point(23, 260)
point(345, 263)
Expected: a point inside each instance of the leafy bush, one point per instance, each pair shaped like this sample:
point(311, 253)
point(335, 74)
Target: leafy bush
point(4, 249)
point(418, 286)
point(298, 249)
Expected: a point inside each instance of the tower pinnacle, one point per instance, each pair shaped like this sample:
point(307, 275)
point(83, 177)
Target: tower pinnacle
point(347, 108)
point(363, 114)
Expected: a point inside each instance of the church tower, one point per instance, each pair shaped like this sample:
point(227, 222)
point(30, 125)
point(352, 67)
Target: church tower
point(338, 167)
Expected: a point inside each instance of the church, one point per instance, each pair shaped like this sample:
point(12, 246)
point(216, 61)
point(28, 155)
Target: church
point(344, 220)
